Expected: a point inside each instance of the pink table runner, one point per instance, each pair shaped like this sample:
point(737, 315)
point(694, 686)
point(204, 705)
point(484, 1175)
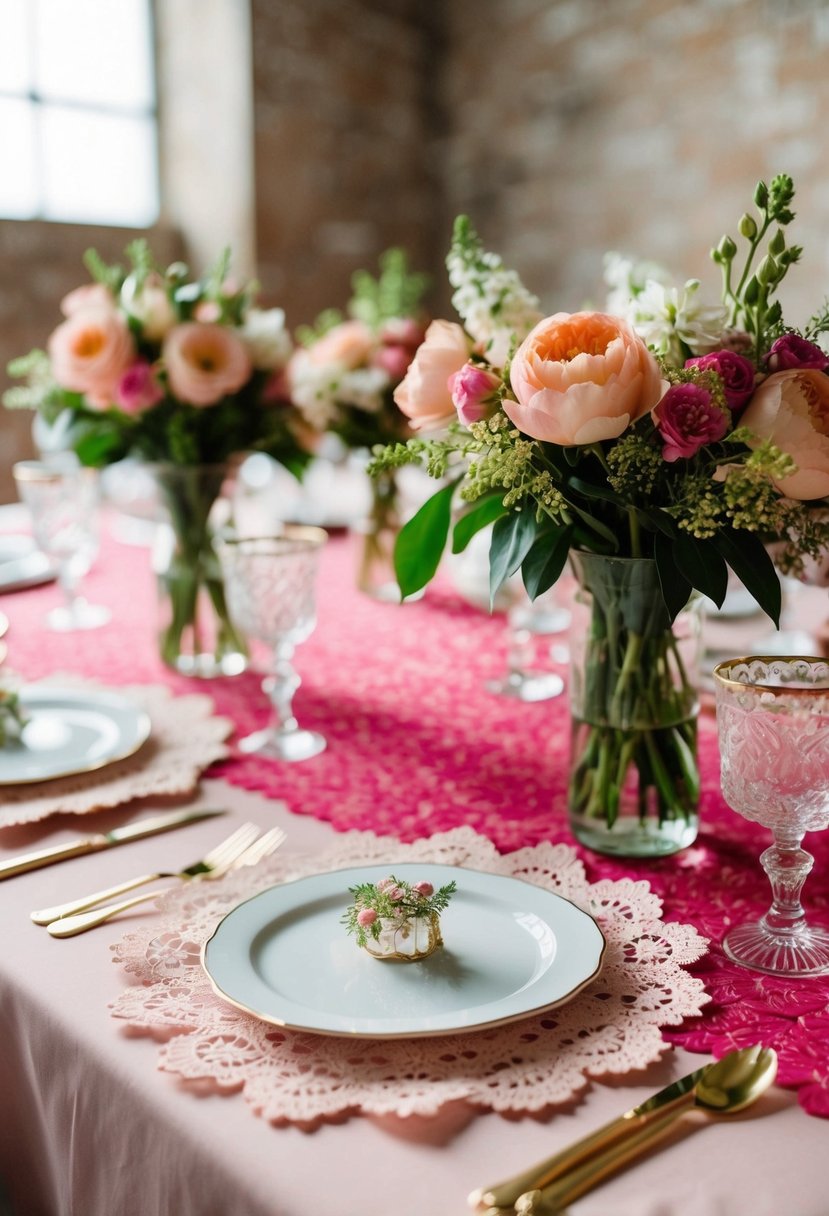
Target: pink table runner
point(416, 746)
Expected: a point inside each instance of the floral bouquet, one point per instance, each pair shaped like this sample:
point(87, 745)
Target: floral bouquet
point(397, 919)
point(183, 374)
point(658, 445)
point(345, 375)
point(12, 718)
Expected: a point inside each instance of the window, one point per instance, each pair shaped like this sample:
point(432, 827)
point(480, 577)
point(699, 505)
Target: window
point(77, 112)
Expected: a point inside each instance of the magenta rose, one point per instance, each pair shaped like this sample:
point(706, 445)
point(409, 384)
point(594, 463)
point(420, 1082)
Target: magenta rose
point(735, 371)
point(791, 352)
point(474, 392)
point(687, 418)
point(138, 390)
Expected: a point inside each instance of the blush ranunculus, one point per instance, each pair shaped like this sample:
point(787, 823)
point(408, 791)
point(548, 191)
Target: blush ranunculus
point(790, 352)
point(474, 392)
point(89, 353)
point(348, 344)
point(687, 418)
point(736, 372)
point(425, 396)
point(580, 378)
point(138, 390)
point(791, 408)
point(204, 362)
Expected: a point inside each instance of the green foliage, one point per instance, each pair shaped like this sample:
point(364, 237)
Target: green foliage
point(421, 542)
point(512, 538)
point(396, 292)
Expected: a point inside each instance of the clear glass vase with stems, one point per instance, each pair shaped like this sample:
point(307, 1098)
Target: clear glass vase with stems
point(378, 533)
point(197, 636)
point(634, 777)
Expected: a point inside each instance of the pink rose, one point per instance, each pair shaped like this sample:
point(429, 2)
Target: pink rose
point(736, 372)
point(204, 362)
point(138, 390)
point(687, 418)
point(791, 352)
point(791, 408)
point(424, 888)
point(474, 392)
point(366, 917)
point(90, 351)
point(580, 378)
point(393, 360)
point(348, 345)
point(425, 396)
point(402, 331)
point(90, 295)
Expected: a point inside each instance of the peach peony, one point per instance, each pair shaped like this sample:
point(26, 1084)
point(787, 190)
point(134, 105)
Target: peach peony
point(348, 344)
point(580, 378)
point(425, 395)
point(204, 362)
point(791, 408)
point(90, 351)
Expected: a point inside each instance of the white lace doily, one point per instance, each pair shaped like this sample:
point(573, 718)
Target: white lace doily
point(186, 737)
point(611, 1027)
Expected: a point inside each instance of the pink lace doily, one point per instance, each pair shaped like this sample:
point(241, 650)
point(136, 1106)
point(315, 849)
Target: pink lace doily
point(611, 1027)
point(186, 737)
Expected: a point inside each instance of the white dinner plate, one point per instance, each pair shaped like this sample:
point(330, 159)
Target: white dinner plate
point(511, 949)
point(71, 731)
point(22, 564)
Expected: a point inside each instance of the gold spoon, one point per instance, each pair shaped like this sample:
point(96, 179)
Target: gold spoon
point(721, 1088)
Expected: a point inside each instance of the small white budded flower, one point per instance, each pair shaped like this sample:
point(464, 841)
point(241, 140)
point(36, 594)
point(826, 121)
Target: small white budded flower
point(668, 317)
point(267, 340)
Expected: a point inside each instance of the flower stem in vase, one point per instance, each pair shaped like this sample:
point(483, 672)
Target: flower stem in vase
point(375, 571)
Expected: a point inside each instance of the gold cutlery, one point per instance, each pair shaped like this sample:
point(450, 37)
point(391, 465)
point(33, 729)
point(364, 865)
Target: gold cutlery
point(223, 854)
point(721, 1088)
point(256, 850)
point(103, 840)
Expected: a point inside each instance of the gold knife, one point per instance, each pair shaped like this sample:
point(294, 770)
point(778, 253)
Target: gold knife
point(103, 840)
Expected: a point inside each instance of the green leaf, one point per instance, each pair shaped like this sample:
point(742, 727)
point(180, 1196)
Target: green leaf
point(545, 561)
point(699, 561)
point(675, 586)
point(593, 490)
point(596, 525)
point(481, 513)
point(512, 538)
point(749, 560)
point(658, 520)
point(421, 542)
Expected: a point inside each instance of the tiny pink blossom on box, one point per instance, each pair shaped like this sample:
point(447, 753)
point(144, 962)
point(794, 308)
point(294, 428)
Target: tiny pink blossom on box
point(366, 917)
point(424, 888)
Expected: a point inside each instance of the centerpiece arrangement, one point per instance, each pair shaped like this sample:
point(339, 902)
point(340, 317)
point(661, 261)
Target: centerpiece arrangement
point(659, 446)
point(343, 376)
point(183, 374)
point(394, 919)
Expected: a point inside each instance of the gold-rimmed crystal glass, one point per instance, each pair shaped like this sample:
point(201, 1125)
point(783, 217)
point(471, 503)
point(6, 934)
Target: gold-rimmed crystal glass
point(63, 504)
point(773, 722)
point(270, 585)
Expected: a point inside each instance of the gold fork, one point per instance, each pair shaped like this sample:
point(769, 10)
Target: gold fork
point(69, 926)
point(221, 855)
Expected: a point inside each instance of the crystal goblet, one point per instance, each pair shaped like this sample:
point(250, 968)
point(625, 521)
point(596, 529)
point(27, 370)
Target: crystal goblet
point(525, 621)
point(773, 722)
point(270, 588)
point(63, 501)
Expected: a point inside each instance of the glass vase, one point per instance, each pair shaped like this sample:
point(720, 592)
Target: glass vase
point(375, 562)
point(634, 776)
point(196, 636)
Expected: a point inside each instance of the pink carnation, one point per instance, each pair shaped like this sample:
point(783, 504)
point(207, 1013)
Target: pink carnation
point(424, 888)
point(791, 352)
point(138, 390)
point(366, 917)
point(736, 372)
point(687, 418)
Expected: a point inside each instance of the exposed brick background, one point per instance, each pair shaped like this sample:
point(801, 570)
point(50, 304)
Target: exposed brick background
point(562, 127)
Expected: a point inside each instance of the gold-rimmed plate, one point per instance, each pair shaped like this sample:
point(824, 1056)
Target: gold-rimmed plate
point(511, 950)
point(70, 731)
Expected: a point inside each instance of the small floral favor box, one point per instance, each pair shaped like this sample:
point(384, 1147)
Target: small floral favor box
point(394, 919)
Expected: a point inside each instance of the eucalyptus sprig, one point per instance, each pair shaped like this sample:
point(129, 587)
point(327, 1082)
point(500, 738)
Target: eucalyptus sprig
point(750, 301)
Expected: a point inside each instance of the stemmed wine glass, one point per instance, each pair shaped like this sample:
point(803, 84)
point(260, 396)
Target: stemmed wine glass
point(525, 621)
point(63, 501)
point(270, 584)
point(773, 721)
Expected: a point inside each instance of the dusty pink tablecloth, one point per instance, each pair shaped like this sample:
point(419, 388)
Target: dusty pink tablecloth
point(416, 745)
